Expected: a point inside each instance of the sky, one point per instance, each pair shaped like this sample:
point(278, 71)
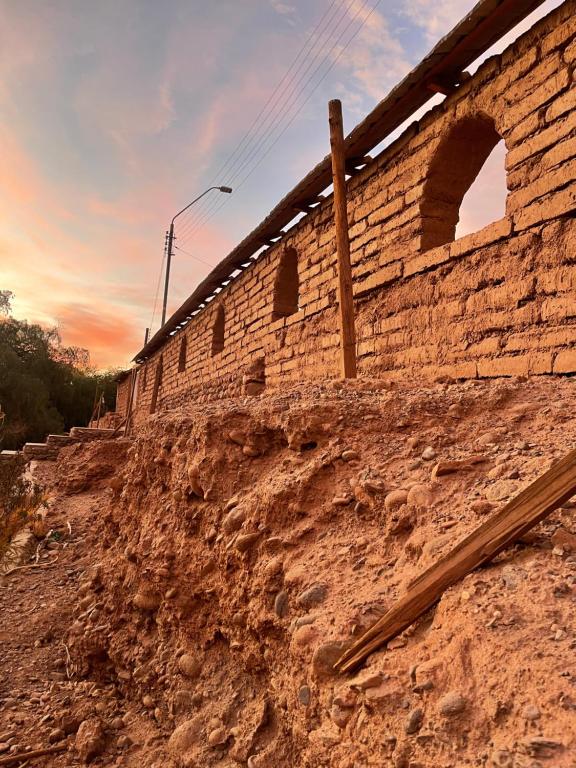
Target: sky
point(115, 114)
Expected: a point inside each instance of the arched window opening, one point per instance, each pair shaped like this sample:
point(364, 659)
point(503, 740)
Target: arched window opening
point(218, 331)
point(456, 164)
point(485, 201)
point(157, 385)
point(182, 355)
point(286, 285)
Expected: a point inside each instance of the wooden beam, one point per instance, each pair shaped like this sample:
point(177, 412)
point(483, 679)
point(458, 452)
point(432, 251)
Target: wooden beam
point(345, 295)
point(527, 509)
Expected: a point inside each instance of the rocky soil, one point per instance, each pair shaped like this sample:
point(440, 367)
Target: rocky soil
point(207, 572)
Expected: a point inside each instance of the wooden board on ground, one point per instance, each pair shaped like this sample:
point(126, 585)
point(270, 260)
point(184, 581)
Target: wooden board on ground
point(505, 527)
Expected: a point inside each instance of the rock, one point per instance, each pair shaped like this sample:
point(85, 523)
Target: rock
point(189, 665)
point(366, 680)
point(90, 742)
point(218, 736)
point(341, 501)
point(273, 568)
point(4, 747)
point(231, 503)
point(146, 601)
point(245, 542)
point(251, 451)
point(414, 721)
point(462, 465)
point(304, 695)
point(395, 499)
point(123, 741)
point(69, 724)
point(185, 736)
point(56, 735)
point(530, 712)
point(340, 715)
point(313, 596)
point(148, 701)
point(237, 436)
point(563, 540)
point(502, 490)
point(350, 455)
point(489, 438)
point(116, 723)
point(428, 453)
point(281, 604)
point(324, 658)
point(420, 495)
point(481, 507)
point(233, 521)
point(452, 704)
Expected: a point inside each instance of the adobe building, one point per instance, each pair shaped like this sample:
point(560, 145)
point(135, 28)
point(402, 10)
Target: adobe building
point(498, 302)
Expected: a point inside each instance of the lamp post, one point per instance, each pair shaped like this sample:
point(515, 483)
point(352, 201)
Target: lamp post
point(171, 243)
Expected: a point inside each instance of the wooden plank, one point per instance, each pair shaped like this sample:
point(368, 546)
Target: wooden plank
point(527, 509)
point(345, 295)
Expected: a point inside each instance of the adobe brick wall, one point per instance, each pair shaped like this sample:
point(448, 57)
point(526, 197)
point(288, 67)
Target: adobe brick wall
point(501, 301)
point(122, 395)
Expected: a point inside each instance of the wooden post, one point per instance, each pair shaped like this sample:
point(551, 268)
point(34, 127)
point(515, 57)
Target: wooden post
point(345, 295)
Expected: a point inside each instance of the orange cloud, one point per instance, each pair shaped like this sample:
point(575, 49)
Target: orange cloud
point(110, 338)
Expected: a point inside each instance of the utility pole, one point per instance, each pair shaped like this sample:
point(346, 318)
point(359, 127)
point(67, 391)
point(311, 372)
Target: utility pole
point(168, 263)
point(345, 294)
point(170, 247)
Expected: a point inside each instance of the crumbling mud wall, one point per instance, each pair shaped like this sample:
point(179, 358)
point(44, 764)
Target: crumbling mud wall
point(501, 301)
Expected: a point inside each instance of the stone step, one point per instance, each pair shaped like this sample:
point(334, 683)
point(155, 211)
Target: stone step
point(38, 451)
point(8, 455)
point(82, 434)
point(59, 440)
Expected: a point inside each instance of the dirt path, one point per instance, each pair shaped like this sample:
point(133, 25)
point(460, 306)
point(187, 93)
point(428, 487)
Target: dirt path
point(36, 606)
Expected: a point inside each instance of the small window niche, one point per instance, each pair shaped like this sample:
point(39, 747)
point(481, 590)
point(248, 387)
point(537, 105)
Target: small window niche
point(157, 385)
point(182, 354)
point(218, 329)
point(286, 285)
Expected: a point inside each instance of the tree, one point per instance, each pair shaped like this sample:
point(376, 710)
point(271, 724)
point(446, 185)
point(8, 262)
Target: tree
point(6, 302)
point(44, 387)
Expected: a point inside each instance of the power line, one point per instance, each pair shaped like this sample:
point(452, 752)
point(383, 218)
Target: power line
point(288, 103)
point(331, 11)
point(158, 285)
point(194, 256)
point(215, 210)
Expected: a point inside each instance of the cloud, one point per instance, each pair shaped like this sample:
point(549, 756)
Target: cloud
point(375, 59)
point(112, 339)
point(286, 10)
point(437, 17)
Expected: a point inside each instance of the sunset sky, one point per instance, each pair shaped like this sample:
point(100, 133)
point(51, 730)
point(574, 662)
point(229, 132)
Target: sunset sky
point(116, 113)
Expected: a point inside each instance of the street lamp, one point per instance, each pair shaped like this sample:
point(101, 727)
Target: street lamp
point(228, 190)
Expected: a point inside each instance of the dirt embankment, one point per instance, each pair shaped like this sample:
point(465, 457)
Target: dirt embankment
point(239, 546)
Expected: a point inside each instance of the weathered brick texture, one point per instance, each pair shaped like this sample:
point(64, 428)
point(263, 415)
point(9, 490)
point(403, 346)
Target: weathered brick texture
point(498, 302)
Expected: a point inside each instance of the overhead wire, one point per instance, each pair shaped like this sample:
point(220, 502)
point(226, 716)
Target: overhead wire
point(220, 204)
point(332, 12)
point(241, 164)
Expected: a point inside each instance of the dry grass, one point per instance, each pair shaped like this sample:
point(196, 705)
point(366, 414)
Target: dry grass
point(19, 497)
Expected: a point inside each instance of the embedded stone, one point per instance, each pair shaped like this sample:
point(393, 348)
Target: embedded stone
point(313, 596)
point(189, 665)
point(452, 704)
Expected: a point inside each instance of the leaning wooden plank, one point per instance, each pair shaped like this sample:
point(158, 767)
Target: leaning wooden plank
point(527, 509)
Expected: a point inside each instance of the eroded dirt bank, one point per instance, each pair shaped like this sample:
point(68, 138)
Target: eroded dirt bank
point(220, 560)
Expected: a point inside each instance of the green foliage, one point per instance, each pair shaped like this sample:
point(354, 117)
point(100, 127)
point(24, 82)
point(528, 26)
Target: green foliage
point(44, 387)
